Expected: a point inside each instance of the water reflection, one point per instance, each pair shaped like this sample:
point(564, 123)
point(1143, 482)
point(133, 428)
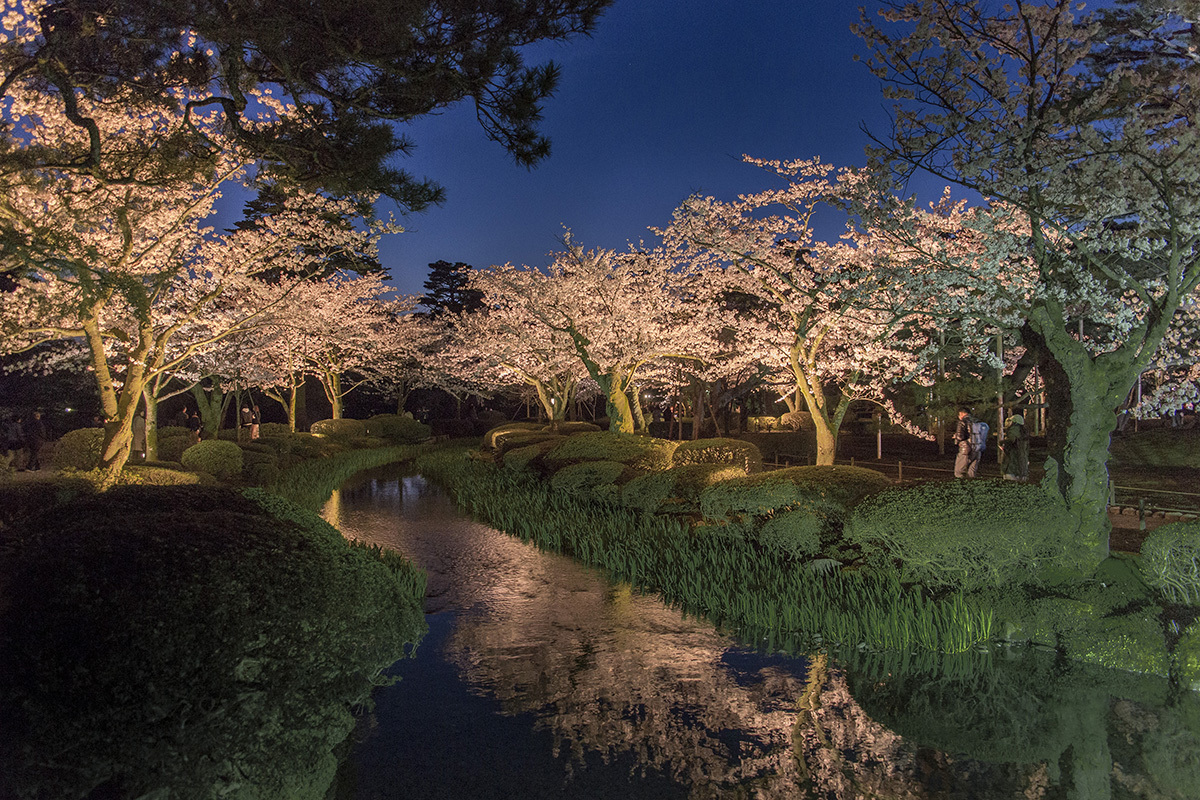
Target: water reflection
point(541, 679)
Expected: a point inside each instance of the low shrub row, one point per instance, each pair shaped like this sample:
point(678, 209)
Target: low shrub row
point(112, 686)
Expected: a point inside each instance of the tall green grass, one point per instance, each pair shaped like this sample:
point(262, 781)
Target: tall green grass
point(713, 570)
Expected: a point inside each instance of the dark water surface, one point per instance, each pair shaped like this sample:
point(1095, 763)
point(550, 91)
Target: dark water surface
point(540, 678)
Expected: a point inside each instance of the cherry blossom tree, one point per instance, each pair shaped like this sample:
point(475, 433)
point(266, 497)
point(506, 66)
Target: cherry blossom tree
point(826, 315)
point(128, 267)
point(1085, 126)
point(343, 330)
point(619, 311)
point(506, 342)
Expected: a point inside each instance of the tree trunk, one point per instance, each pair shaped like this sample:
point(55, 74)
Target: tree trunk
point(616, 403)
point(1084, 393)
point(635, 403)
point(151, 424)
point(212, 404)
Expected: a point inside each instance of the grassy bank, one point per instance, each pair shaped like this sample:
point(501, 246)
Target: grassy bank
point(822, 556)
point(192, 640)
point(714, 570)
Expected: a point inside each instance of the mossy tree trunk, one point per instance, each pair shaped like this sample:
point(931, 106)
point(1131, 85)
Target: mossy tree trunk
point(1085, 390)
point(212, 402)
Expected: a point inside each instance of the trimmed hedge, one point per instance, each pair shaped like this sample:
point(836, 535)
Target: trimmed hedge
point(965, 533)
point(397, 429)
point(677, 488)
point(498, 432)
point(639, 452)
point(172, 441)
point(266, 429)
point(732, 452)
point(218, 458)
point(592, 480)
point(104, 661)
point(349, 428)
point(1171, 561)
point(831, 490)
point(78, 449)
point(570, 428)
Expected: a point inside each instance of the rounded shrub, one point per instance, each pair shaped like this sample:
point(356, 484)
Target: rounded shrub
point(732, 452)
point(397, 428)
point(830, 490)
point(144, 602)
point(260, 464)
point(967, 533)
point(221, 459)
point(339, 427)
point(677, 488)
point(592, 480)
point(794, 533)
point(500, 431)
point(79, 449)
point(1170, 561)
point(639, 452)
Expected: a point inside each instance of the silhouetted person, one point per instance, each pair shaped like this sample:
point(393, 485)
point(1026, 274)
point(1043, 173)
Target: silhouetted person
point(35, 439)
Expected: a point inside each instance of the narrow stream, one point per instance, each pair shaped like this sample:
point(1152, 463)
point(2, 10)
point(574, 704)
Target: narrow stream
point(540, 678)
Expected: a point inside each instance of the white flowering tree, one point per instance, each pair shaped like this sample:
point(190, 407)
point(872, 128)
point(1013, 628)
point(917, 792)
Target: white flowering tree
point(618, 311)
point(828, 316)
point(1085, 125)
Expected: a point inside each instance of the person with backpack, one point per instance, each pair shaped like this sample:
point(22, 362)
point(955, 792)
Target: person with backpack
point(970, 435)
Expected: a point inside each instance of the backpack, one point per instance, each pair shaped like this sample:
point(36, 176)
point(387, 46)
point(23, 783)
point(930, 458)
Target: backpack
point(979, 435)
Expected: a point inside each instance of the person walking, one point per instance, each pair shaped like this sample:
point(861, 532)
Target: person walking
point(245, 422)
point(1016, 450)
point(966, 463)
point(255, 421)
point(194, 425)
point(35, 439)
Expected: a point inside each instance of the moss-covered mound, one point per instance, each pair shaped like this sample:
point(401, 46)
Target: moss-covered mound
point(827, 490)
point(639, 452)
point(529, 456)
point(188, 640)
point(968, 534)
point(730, 452)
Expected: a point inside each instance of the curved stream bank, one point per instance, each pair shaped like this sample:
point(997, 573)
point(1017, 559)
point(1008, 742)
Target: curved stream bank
point(540, 678)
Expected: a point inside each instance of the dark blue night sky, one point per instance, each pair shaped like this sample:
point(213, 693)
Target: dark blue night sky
point(660, 103)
